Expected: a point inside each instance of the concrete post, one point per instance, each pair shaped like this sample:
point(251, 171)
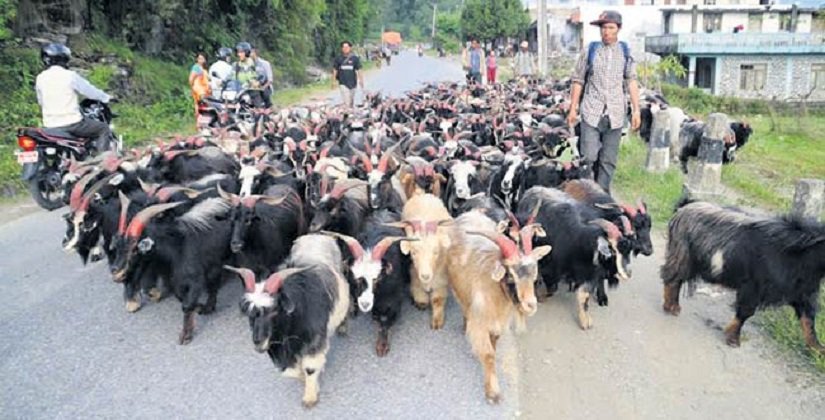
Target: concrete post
point(691, 71)
point(809, 198)
point(694, 18)
point(658, 152)
point(705, 177)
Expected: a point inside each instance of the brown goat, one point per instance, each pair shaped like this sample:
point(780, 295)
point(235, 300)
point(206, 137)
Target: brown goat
point(423, 218)
point(493, 281)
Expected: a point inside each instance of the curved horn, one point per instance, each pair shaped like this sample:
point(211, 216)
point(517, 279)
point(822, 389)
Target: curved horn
point(355, 247)
point(626, 225)
point(274, 282)
point(506, 245)
point(629, 210)
point(641, 206)
point(149, 189)
point(247, 276)
point(384, 245)
point(140, 220)
point(533, 214)
point(610, 229)
point(76, 196)
point(164, 194)
point(87, 198)
point(231, 198)
point(338, 191)
point(365, 160)
point(124, 211)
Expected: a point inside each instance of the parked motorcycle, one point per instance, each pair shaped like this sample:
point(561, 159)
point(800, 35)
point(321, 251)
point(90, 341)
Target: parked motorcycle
point(232, 106)
point(47, 152)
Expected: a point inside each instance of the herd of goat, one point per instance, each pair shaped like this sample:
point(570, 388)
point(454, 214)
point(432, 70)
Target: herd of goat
point(450, 187)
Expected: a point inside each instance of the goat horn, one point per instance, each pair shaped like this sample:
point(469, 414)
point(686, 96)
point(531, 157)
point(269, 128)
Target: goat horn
point(365, 160)
point(140, 220)
point(533, 214)
point(231, 198)
point(338, 191)
point(641, 206)
point(124, 211)
point(165, 193)
point(247, 276)
point(399, 225)
point(506, 245)
point(355, 247)
point(630, 210)
point(149, 189)
point(626, 225)
point(76, 195)
point(610, 229)
point(274, 282)
point(384, 245)
point(87, 198)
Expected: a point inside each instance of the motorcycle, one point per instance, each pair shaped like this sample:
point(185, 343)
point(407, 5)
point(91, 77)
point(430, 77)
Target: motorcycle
point(47, 153)
point(234, 105)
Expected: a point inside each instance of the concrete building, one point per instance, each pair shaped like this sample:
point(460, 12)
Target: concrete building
point(769, 52)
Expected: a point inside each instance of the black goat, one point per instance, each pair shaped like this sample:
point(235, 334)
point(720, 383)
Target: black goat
point(188, 250)
point(380, 272)
point(768, 261)
point(295, 311)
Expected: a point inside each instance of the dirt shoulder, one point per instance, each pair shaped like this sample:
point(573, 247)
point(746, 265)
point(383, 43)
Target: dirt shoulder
point(638, 363)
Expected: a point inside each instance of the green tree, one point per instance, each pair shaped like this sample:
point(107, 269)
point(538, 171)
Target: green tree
point(491, 19)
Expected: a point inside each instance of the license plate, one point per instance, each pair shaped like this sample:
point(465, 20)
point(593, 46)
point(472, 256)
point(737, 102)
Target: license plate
point(27, 157)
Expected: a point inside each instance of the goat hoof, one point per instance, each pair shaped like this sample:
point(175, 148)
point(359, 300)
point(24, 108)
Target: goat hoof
point(420, 306)
point(95, 257)
point(437, 324)
point(342, 329)
point(672, 309)
point(185, 338)
point(132, 306)
point(493, 397)
point(310, 403)
point(602, 301)
point(207, 309)
point(155, 294)
point(585, 322)
point(732, 340)
point(382, 347)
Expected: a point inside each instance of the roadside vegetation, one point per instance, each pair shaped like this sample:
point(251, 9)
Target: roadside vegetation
point(786, 145)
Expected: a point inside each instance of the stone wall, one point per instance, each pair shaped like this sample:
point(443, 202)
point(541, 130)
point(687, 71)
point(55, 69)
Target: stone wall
point(777, 83)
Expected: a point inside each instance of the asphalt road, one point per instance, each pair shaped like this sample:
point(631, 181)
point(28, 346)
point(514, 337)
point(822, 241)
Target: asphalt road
point(68, 348)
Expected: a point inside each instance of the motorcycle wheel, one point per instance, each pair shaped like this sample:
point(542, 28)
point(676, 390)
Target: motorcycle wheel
point(46, 190)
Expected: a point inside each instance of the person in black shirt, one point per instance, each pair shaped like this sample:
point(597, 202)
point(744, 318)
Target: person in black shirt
point(346, 72)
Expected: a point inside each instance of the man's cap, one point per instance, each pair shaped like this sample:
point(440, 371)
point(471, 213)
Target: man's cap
point(524, 44)
point(608, 16)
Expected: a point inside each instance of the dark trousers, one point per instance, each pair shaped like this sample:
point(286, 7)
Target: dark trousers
point(474, 75)
point(599, 147)
point(267, 97)
point(93, 130)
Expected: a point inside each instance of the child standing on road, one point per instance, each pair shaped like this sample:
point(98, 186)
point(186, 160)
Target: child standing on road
point(491, 67)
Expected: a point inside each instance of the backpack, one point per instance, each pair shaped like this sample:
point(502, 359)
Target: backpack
point(591, 55)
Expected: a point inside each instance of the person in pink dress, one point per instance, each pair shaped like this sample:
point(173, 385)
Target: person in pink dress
point(491, 67)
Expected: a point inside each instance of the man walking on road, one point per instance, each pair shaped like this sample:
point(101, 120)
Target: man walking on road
point(523, 62)
point(346, 72)
point(605, 72)
point(472, 60)
point(263, 66)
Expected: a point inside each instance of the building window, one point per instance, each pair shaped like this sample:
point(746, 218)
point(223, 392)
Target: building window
point(712, 21)
point(818, 77)
point(681, 2)
point(752, 76)
point(785, 22)
point(710, 2)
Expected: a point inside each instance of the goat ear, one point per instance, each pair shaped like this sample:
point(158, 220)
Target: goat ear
point(604, 247)
point(540, 252)
point(501, 227)
point(405, 247)
point(444, 241)
point(286, 305)
point(498, 272)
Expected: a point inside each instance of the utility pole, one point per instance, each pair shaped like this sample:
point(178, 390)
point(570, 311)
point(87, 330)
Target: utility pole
point(435, 10)
point(542, 37)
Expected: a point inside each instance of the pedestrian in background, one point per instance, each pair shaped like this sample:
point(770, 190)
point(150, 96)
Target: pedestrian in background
point(263, 66)
point(523, 63)
point(472, 60)
point(491, 67)
point(346, 73)
point(605, 74)
point(199, 80)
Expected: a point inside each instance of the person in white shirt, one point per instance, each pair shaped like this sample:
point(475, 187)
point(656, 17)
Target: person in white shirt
point(221, 71)
point(57, 93)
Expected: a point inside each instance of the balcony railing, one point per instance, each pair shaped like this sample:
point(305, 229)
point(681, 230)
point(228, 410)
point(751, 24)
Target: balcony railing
point(739, 43)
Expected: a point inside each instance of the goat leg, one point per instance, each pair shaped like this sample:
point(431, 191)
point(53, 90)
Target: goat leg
point(582, 306)
point(439, 300)
point(382, 345)
point(211, 302)
point(131, 296)
point(188, 327)
point(809, 331)
point(671, 298)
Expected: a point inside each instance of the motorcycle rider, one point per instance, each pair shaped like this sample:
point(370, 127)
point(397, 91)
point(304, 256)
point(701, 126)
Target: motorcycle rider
point(57, 93)
point(246, 72)
point(221, 71)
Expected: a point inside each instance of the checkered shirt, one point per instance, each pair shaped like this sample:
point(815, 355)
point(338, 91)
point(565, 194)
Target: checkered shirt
point(605, 90)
